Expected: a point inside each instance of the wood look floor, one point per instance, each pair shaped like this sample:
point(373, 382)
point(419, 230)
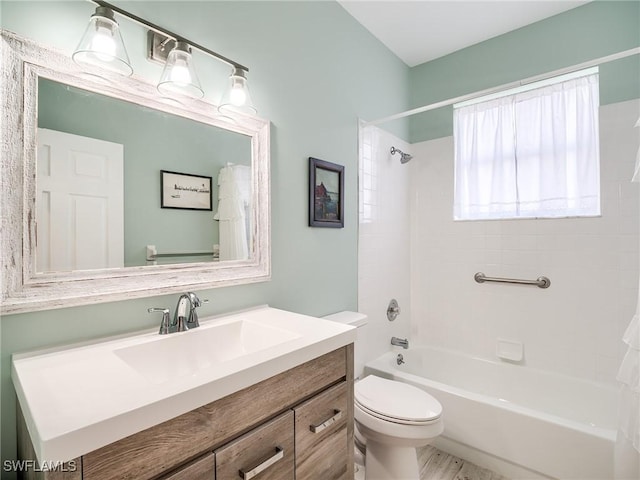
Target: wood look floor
point(437, 465)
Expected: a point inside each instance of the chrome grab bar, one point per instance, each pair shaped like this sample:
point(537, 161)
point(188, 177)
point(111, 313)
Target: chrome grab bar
point(541, 282)
point(153, 255)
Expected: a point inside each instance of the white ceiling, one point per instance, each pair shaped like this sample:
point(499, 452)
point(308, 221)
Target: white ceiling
point(421, 30)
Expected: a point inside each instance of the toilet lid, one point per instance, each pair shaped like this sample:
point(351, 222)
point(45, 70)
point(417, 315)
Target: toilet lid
point(396, 401)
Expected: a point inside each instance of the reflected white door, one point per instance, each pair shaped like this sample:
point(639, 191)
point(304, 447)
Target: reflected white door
point(80, 203)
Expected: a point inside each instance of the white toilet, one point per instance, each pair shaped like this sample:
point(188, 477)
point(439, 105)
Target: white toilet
point(392, 419)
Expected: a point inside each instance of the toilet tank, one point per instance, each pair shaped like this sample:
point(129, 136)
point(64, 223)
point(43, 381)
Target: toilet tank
point(355, 319)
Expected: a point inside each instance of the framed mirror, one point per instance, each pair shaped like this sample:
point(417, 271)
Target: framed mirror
point(111, 192)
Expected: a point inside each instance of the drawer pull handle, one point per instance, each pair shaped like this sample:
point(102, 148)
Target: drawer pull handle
point(262, 466)
point(327, 423)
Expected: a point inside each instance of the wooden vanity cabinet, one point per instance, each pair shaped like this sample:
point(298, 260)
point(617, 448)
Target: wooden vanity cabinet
point(200, 469)
point(241, 431)
point(322, 436)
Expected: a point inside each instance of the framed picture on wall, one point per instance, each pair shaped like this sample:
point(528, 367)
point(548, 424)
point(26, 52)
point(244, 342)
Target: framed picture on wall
point(185, 191)
point(326, 194)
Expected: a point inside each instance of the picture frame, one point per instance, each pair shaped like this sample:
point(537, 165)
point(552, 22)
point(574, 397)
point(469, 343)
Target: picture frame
point(185, 191)
point(326, 194)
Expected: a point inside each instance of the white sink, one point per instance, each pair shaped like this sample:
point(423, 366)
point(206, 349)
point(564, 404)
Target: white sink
point(187, 353)
point(79, 398)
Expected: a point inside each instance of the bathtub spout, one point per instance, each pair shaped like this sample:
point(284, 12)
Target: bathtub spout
point(400, 342)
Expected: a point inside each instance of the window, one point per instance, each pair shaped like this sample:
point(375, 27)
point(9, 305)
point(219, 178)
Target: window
point(532, 152)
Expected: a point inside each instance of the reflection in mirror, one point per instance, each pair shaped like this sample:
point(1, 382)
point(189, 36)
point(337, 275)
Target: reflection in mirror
point(140, 133)
point(99, 184)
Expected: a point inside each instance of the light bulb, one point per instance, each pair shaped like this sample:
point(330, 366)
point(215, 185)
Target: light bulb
point(103, 44)
point(180, 74)
point(237, 95)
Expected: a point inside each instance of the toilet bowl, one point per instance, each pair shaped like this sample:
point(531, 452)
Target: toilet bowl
point(392, 419)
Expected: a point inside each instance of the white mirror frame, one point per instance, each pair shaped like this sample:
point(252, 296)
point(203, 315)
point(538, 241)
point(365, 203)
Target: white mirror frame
point(24, 290)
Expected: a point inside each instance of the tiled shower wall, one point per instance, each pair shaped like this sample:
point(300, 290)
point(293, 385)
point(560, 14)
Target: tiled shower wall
point(383, 248)
point(575, 326)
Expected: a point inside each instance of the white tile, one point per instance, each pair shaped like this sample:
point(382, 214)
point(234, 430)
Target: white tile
point(574, 327)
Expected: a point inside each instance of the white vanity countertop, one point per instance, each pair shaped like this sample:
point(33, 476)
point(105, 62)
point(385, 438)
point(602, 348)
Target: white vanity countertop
point(80, 398)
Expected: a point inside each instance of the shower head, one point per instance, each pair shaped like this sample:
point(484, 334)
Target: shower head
point(404, 157)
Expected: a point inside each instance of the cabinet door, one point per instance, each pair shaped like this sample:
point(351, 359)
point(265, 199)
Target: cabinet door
point(201, 469)
point(321, 436)
point(265, 453)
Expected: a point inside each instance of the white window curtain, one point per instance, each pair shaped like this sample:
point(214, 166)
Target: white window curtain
point(532, 154)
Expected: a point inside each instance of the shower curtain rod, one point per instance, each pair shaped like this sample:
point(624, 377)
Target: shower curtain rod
point(506, 86)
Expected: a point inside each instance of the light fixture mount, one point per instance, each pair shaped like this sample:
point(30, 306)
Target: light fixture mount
point(158, 46)
point(104, 12)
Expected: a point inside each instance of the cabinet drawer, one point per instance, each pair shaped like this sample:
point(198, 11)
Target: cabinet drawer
point(265, 453)
point(200, 469)
point(321, 436)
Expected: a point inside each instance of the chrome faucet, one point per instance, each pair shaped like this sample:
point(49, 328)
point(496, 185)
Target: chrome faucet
point(185, 316)
point(400, 342)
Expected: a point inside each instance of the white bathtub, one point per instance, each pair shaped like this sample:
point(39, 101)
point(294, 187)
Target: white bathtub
point(520, 422)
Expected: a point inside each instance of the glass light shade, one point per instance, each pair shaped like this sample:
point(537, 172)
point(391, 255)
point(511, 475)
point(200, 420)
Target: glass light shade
point(237, 97)
point(102, 45)
point(179, 75)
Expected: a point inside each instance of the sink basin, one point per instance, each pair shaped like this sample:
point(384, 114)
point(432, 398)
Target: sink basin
point(129, 383)
point(187, 353)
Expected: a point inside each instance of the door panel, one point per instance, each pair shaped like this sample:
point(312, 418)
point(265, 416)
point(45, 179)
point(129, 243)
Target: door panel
point(80, 203)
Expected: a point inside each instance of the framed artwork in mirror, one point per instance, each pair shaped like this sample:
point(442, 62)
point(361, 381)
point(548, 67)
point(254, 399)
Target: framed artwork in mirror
point(185, 191)
point(326, 194)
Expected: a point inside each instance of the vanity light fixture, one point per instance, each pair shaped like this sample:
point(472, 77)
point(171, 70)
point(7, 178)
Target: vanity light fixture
point(237, 96)
point(179, 75)
point(102, 45)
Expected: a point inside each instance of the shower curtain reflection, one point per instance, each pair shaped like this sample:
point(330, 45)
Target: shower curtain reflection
point(234, 195)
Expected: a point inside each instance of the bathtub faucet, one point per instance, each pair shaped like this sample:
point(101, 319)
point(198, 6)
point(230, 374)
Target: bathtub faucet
point(400, 342)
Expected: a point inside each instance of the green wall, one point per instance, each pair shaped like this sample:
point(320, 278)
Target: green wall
point(592, 31)
point(313, 72)
point(153, 141)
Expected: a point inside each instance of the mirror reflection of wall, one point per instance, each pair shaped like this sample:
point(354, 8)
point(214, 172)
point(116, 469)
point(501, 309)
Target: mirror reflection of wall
point(152, 141)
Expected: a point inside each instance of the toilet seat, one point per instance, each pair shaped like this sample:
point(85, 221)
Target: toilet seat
point(396, 402)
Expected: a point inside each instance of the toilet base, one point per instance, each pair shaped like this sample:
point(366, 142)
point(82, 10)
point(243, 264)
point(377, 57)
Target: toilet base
point(385, 462)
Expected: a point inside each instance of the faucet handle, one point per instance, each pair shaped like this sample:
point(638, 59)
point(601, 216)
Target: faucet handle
point(195, 301)
point(192, 319)
point(164, 324)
